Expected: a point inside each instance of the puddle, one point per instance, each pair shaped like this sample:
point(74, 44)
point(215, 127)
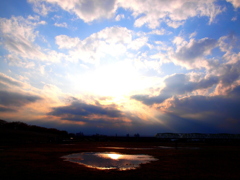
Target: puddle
point(109, 160)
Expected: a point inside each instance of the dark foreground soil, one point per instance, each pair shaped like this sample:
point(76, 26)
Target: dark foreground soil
point(43, 161)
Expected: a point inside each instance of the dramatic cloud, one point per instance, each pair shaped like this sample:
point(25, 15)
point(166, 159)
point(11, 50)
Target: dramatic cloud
point(192, 54)
point(139, 66)
point(94, 115)
point(195, 49)
point(219, 110)
point(83, 109)
point(175, 85)
point(12, 94)
point(15, 99)
point(223, 78)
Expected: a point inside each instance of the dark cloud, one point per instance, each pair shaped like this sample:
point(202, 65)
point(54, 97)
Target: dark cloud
point(201, 113)
point(90, 120)
point(177, 84)
point(80, 111)
point(9, 80)
point(195, 49)
point(97, 118)
point(219, 111)
point(6, 109)
point(235, 93)
point(230, 72)
point(175, 123)
point(104, 120)
point(15, 99)
point(83, 109)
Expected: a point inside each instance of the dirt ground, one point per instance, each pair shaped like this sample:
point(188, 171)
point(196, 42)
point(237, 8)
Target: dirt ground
point(43, 161)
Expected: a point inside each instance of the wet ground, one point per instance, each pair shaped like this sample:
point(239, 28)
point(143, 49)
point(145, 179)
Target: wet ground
point(187, 161)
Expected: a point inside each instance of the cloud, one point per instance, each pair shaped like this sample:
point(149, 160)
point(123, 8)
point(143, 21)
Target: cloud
point(193, 34)
point(115, 35)
point(111, 41)
point(15, 99)
point(83, 109)
point(175, 123)
point(235, 3)
point(66, 42)
point(40, 7)
point(19, 35)
point(6, 109)
point(228, 42)
point(138, 43)
point(219, 80)
point(61, 24)
point(150, 13)
point(209, 100)
point(159, 32)
point(229, 45)
point(119, 17)
point(174, 24)
point(87, 10)
point(222, 111)
point(90, 114)
point(153, 12)
point(194, 48)
point(4, 79)
point(229, 77)
point(230, 73)
point(199, 53)
point(15, 60)
point(178, 84)
point(192, 54)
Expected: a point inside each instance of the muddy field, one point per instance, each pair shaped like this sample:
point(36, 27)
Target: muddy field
point(187, 161)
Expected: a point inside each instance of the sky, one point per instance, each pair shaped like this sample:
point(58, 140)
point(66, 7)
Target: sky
point(117, 67)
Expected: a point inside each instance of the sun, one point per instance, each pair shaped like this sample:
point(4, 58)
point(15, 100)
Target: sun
point(115, 80)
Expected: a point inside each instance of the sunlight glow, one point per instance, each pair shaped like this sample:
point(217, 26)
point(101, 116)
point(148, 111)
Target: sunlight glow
point(114, 80)
point(114, 156)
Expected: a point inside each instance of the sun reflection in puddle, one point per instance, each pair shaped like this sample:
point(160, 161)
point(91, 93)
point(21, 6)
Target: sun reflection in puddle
point(109, 160)
point(114, 156)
